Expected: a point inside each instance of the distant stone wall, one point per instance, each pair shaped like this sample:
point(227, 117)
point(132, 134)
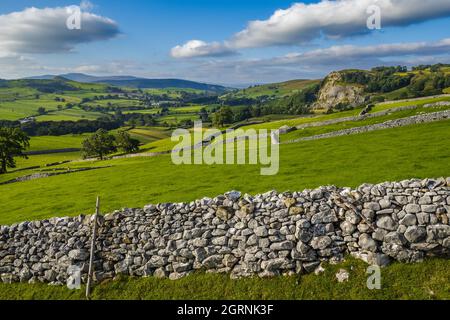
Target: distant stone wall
point(421, 118)
point(265, 235)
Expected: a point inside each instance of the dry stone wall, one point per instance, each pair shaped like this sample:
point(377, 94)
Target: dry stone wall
point(401, 122)
point(265, 235)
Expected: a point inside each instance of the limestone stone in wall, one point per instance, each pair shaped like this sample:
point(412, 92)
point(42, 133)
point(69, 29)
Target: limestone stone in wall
point(265, 235)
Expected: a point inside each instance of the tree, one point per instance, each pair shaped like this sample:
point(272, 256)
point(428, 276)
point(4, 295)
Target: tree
point(99, 144)
point(126, 143)
point(203, 114)
point(41, 110)
point(223, 116)
point(13, 142)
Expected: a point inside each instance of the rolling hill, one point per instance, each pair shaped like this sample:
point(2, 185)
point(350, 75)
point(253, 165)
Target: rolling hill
point(139, 83)
point(344, 89)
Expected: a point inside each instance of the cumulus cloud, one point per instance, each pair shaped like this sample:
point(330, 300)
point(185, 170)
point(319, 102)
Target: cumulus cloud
point(335, 19)
point(349, 53)
point(302, 23)
point(197, 48)
point(36, 30)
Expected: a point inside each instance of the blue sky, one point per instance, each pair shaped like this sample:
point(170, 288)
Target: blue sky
point(215, 41)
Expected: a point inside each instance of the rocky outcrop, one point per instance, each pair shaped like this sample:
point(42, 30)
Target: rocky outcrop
point(335, 91)
point(265, 235)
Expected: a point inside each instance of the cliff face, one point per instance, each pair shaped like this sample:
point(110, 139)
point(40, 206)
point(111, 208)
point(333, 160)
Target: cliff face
point(336, 92)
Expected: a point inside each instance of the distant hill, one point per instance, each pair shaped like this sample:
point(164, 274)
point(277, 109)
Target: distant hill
point(55, 85)
point(345, 89)
point(139, 83)
point(272, 90)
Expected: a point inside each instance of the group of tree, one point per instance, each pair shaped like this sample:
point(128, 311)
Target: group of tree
point(102, 143)
point(433, 68)
point(58, 128)
point(135, 119)
point(388, 79)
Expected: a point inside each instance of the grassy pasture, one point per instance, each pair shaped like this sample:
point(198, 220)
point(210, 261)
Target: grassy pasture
point(175, 118)
point(274, 89)
point(143, 111)
point(302, 120)
point(415, 102)
point(117, 103)
point(429, 280)
point(187, 109)
point(14, 110)
point(16, 93)
point(73, 114)
point(43, 159)
point(307, 132)
point(344, 161)
point(172, 93)
point(37, 160)
point(147, 135)
point(56, 142)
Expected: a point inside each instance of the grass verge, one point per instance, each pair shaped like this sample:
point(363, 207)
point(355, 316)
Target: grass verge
point(429, 280)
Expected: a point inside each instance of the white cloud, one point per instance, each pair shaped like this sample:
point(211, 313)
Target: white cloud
point(317, 63)
point(302, 23)
point(349, 53)
point(197, 48)
point(36, 30)
point(86, 5)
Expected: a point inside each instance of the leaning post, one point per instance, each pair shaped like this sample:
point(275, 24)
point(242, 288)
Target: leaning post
point(91, 258)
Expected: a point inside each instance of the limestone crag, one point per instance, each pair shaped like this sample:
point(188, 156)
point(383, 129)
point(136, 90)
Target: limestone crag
point(335, 92)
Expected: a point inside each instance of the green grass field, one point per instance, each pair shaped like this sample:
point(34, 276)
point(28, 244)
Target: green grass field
point(44, 159)
point(7, 94)
point(429, 280)
point(343, 161)
point(350, 113)
point(116, 103)
point(302, 120)
point(172, 93)
point(174, 119)
point(14, 110)
point(143, 111)
point(187, 109)
point(56, 142)
point(312, 131)
point(275, 89)
point(164, 145)
point(321, 129)
point(148, 135)
point(415, 102)
point(74, 114)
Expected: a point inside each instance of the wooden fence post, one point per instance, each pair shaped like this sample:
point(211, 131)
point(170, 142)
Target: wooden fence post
point(91, 258)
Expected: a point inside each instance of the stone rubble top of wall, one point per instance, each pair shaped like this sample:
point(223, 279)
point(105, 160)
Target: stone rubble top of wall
point(263, 235)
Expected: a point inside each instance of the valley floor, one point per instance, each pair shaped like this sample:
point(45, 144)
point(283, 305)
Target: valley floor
point(415, 151)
